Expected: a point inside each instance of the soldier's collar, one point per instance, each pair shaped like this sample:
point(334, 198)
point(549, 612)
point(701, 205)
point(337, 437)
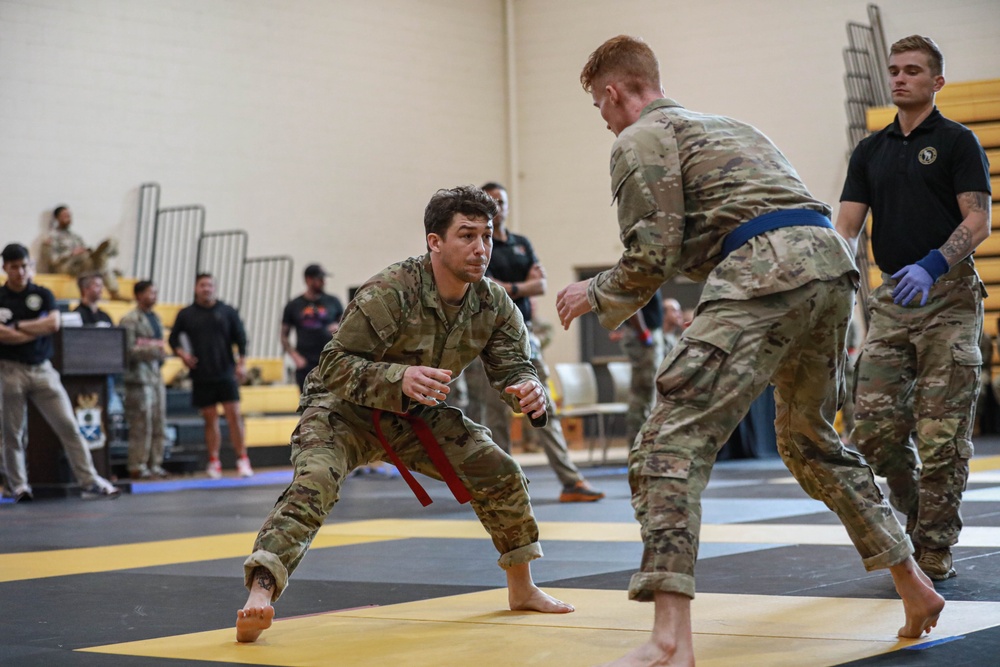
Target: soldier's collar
point(658, 104)
point(430, 296)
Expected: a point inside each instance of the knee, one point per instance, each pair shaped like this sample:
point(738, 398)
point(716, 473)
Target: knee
point(493, 467)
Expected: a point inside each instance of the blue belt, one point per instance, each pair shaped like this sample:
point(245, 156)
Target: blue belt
point(775, 220)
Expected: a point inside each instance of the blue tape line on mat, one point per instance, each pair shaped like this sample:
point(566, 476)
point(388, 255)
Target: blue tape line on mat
point(259, 479)
point(936, 642)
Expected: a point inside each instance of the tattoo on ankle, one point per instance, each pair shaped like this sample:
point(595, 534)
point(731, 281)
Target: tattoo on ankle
point(264, 578)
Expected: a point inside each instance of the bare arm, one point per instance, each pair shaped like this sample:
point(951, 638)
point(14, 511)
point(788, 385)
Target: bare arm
point(43, 326)
point(850, 221)
point(11, 336)
point(533, 285)
point(974, 229)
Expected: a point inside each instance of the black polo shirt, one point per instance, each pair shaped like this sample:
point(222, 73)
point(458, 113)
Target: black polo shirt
point(912, 183)
point(31, 303)
point(510, 262)
point(652, 312)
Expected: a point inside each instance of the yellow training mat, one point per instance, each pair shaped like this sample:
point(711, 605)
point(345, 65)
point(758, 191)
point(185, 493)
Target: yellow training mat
point(86, 560)
point(477, 629)
point(66, 562)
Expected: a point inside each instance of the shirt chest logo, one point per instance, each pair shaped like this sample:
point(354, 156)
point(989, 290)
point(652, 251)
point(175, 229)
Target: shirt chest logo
point(927, 155)
point(33, 302)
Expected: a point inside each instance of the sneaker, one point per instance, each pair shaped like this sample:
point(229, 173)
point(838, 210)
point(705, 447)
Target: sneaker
point(214, 469)
point(22, 494)
point(159, 473)
point(243, 467)
point(936, 563)
point(101, 489)
point(581, 492)
point(140, 474)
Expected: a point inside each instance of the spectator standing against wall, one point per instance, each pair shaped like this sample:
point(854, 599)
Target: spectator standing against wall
point(64, 251)
point(28, 318)
point(315, 317)
point(926, 180)
point(514, 266)
point(203, 336)
point(145, 395)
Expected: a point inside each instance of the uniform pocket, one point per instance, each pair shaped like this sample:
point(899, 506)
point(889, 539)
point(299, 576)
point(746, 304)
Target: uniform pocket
point(667, 478)
point(691, 376)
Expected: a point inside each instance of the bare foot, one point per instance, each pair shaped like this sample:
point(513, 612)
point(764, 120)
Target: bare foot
point(251, 621)
point(651, 654)
point(535, 599)
point(921, 603)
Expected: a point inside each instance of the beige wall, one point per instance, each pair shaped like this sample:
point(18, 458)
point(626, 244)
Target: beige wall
point(322, 126)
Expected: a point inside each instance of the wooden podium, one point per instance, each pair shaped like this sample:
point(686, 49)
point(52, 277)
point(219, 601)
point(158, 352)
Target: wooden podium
point(85, 357)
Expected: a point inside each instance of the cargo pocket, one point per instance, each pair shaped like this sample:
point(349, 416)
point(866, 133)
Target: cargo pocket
point(691, 376)
point(666, 477)
point(968, 362)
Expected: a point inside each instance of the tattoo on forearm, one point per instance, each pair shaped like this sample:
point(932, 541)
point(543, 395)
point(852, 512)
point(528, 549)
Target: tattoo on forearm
point(958, 246)
point(975, 201)
point(264, 578)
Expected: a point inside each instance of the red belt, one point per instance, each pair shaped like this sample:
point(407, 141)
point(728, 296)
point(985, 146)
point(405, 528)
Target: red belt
point(434, 451)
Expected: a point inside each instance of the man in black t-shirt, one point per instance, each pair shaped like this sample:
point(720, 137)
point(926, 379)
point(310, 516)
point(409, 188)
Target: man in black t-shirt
point(315, 317)
point(926, 181)
point(203, 336)
point(514, 266)
point(28, 318)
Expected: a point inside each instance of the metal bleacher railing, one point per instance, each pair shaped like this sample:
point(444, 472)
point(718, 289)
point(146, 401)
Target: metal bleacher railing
point(267, 286)
point(867, 86)
point(224, 255)
point(172, 247)
point(149, 204)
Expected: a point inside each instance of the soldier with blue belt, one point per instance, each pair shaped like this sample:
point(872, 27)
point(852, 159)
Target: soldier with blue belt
point(714, 199)
point(379, 390)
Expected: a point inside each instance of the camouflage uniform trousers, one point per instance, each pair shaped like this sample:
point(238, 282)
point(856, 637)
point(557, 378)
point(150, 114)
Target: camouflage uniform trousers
point(92, 262)
point(919, 373)
point(725, 359)
point(496, 415)
point(644, 360)
point(145, 412)
point(328, 444)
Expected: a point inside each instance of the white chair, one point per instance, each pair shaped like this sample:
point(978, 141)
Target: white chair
point(621, 379)
point(578, 389)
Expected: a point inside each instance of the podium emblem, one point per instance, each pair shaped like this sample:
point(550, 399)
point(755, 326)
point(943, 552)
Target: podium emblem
point(88, 420)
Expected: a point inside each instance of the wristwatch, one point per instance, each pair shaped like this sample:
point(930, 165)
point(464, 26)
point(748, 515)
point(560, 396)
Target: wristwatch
point(513, 289)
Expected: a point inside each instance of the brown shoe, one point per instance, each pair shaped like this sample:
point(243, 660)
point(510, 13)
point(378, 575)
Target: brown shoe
point(936, 563)
point(581, 492)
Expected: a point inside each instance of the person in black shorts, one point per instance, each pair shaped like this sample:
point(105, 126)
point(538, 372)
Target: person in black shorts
point(203, 337)
point(315, 317)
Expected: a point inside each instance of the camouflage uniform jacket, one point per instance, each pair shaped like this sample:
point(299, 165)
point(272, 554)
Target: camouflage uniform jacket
point(143, 362)
point(684, 180)
point(396, 320)
point(59, 246)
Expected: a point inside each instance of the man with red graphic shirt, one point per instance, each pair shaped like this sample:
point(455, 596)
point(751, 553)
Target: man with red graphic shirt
point(315, 316)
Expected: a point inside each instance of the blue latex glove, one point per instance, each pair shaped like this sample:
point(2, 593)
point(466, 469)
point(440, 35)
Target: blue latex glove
point(916, 278)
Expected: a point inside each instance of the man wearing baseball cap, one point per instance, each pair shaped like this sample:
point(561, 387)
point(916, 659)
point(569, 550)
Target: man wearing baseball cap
point(315, 316)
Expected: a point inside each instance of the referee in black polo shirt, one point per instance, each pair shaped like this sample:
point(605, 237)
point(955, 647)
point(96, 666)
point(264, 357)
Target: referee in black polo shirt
point(926, 180)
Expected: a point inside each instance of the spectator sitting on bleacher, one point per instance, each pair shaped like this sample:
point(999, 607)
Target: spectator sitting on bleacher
point(91, 287)
point(65, 252)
